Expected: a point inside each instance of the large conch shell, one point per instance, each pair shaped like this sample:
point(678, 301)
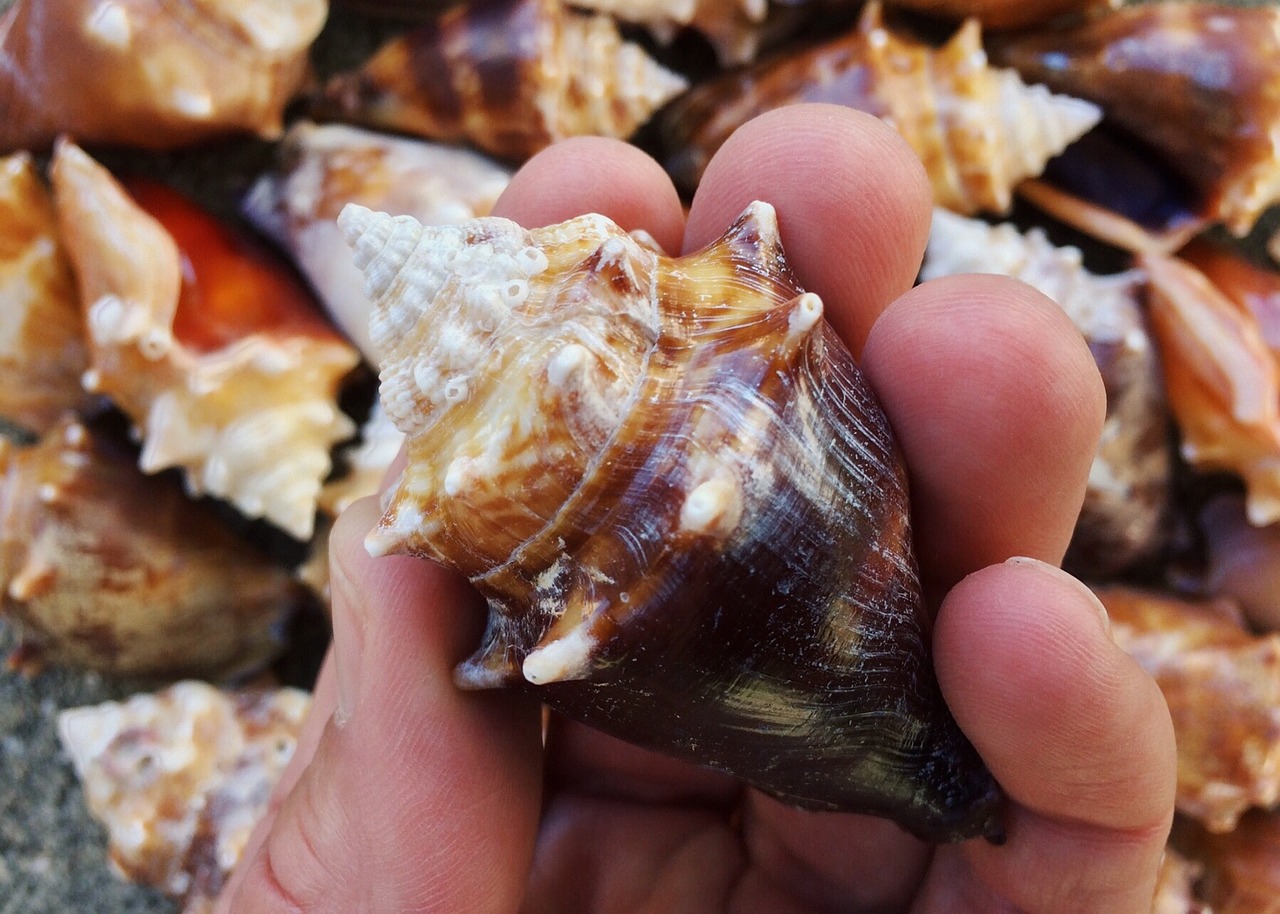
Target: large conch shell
point(1196, 81)
point(326, 167)
point(150, 73)
point(106, 568)
point(978, 130)
point(214, 350)
point(508, 76)
point(42, 350)
point(179, 778)
point(1122, 521)
point(1222, 378)
point(1222, 685)
point(682, 502)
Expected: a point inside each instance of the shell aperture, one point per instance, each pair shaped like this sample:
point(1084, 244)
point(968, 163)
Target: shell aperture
point(680, 499)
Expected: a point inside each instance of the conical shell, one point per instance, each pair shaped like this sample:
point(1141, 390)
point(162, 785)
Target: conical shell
point(978, 130)
point(1222, 685)
point(325, 168)
point(150, 73)
point(106, 568)
point(42, 346)
point(214, 350)
point(1123, 518)
point(179, 778)
point(1222, 380)
point(1196, 81)
point(680, 499)
point(508, 76)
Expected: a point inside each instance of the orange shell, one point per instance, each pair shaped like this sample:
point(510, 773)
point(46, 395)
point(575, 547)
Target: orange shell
point(1222, 685)
point(179, 778)
point(1221, 377)
point(509, 77)
point(106, 568)
point(215, 351)
point(978, 130)
point(42, 346)
point(150, 73)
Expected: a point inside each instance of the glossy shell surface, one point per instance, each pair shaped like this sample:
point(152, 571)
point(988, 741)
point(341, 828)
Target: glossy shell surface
point(150, 73)
point(680, 499)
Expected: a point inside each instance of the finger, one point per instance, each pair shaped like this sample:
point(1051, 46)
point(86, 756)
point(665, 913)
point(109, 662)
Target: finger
point(1075, 732)
point(595, 175)
point(853, 205)
point(998, 406)
point(419, 796)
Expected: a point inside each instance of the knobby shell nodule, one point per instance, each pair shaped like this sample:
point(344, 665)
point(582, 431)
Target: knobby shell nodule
point(682, 502)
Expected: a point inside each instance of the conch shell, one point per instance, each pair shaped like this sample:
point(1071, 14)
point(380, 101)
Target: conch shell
point(42, 349)
point(214, 350)
point(1222, 379)
point(1222, 685)
point(179, 778)
point(106, 568)
point(681, 501)
point(1196, 81)
point(150, 73)
point(1123, 518)
point(509, 76)
point(326, 167)
point(978, 130)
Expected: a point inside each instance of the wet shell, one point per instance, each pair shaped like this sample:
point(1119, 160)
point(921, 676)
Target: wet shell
point(681, 501)
point(1244, 560)
point(1007, 14)
point(179, 778)
point(1241, 869)
point(150, 73)
point(508, 76)
point(1123, 518)
point(215, 350)
point(1221, 377)
point(978, 130)
point(1222, 685)
point(106, 568)
point(42, 350)
point(325, 168)
point(1196, 81)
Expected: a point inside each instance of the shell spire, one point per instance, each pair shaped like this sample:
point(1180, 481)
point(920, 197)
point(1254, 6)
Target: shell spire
point(508, 76)
point(978, 130)
point(1197, 82)
point(228, 372)
point(682, 503)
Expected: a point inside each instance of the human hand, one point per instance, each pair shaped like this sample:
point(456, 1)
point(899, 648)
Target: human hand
point(407, 794)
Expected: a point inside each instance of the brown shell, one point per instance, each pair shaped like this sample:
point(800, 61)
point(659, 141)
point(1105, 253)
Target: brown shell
point(150, 73)
point(1123, 520)
point(1197, 82)
point(42, 347)
point(106, 568)
point(680, 499)
point(1222, 685)
point(1175, 885)
point(508, 76)
point(1221, 377)
point(214, 349)
point(324, 168)
point(1243, 560)
point(179, 778)
point(1241, 869)
point(978, 130)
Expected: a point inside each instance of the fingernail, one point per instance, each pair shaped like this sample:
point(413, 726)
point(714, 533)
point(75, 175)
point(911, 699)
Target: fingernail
point(1080, 586)
point(349, 632)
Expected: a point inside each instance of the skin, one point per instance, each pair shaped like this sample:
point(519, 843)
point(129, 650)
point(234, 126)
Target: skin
point(407, 794)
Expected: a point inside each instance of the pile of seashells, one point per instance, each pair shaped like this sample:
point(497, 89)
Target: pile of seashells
point(174, 389)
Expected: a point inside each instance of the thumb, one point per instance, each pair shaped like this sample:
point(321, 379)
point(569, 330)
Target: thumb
point(419, 797)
